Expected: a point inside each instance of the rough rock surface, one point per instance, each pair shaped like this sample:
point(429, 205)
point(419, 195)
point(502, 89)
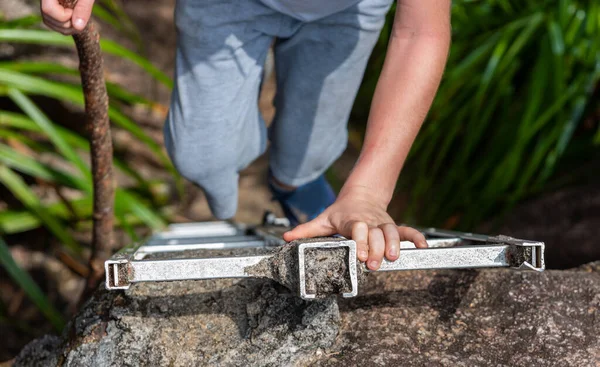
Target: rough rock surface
point(424, 318)
point(566, 220)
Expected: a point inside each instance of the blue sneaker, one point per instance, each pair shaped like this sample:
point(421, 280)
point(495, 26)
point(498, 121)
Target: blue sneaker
point(305, 202)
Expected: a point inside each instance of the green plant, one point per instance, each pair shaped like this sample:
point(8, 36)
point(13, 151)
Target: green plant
point(519, 79)
point(27, 133)
point(23, 279)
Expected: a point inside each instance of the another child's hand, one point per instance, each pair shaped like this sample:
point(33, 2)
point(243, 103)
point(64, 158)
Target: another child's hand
point(64, 20)
point(356, 214)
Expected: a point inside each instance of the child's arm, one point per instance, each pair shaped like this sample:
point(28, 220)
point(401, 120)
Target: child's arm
point(417, 53)
point(64, 20)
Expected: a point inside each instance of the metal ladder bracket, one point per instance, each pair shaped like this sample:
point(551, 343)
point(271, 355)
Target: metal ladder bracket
point(352, 268)
point(164, 256)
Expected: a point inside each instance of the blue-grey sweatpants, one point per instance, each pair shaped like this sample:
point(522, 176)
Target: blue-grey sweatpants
point(214, 128)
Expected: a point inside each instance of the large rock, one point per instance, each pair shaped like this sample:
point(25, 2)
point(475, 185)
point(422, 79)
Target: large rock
point(566, 220)
point(458, 318)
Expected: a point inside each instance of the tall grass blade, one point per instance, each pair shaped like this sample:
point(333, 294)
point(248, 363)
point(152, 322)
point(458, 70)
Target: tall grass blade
point(47, 38)
point(16, 221)
point(39, 86)
point(34, 293)
point(124, 202)
point(21, 191)
point(48, 128)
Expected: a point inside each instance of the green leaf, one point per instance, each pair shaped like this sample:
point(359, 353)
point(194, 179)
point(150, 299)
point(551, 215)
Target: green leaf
point(23, 22)
point(23, 193)
point(34, 168)
point(104, 15)
point(38, 67)
point(16, 221)
point(61, 91)
point(556, 38)
point(504, 116)
point(35, 36)
point(34, 293)
point(126, 25)
point(566, 133)
point(115, 91)
point(48, 128)
point(17, 136)
point(136, 206)
point(48, 38)
point(19, 121)
point(124, 201)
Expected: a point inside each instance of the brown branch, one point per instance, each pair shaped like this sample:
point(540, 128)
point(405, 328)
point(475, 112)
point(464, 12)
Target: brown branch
point(98, 126)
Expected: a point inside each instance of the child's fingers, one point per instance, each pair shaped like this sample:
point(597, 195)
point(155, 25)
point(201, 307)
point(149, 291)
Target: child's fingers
point(412, 235)
point(82, 13)
point(376, 248)
point(61, 27)
point(52, 9)
point(360, 235)
point(57, 24)
point(392, 240)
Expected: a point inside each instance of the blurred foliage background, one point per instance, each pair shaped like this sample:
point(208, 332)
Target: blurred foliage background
point(45, 177)
point(516, 114)
point(521, 79)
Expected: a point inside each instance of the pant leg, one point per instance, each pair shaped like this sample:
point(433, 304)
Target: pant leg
point(214, 128)
point(319, 70)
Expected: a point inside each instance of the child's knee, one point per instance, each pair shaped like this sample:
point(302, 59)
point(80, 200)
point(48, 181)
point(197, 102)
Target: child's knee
point(198, 164)
point(216, 175)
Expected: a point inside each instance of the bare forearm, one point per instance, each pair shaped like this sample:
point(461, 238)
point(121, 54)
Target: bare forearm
point(410, 77)
point(405, 90)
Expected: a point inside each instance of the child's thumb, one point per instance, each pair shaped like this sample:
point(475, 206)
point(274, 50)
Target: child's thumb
point(314, 228)
point(82, 14)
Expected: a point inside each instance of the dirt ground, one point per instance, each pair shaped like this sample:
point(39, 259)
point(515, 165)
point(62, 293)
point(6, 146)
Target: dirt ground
point(565, 219)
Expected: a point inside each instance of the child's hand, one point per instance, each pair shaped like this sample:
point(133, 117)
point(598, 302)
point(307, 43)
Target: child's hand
point(64, 20)
point(357, 215)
